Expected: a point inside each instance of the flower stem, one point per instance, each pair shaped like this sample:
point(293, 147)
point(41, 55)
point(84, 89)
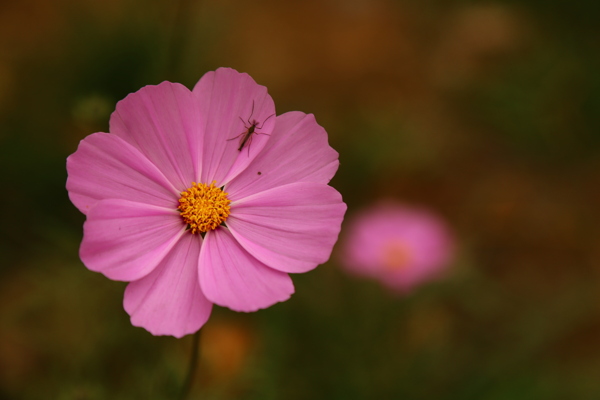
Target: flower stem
point(189, 379)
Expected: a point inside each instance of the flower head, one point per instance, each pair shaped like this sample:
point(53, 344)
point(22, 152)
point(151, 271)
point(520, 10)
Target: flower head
point(401, 246)
point(191, 217)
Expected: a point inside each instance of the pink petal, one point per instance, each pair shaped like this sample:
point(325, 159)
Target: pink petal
point(169, 301)
point(291, 228)
point(233, 101)
point(106, 167)
point(362, 247)
point(297, 152)
point(431, 250)
point(126, 240)
point(231, 277)
point(164, 123)
point(424, 236)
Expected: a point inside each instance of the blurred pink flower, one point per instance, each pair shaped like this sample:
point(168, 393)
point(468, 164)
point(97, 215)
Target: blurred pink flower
point(204, 196)
point(401, 246)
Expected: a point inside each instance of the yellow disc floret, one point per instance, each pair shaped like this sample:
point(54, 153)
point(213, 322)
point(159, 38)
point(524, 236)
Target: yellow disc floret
point(396, 255)
point(203, 207)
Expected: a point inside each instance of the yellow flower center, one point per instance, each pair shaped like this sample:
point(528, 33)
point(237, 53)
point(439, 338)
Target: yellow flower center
point(396, 255)
point(203, 207)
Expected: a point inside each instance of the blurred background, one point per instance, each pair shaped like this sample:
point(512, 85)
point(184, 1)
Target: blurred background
point(485, 112)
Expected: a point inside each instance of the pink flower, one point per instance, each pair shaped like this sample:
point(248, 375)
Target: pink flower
point(204, 196)
point(402, 247)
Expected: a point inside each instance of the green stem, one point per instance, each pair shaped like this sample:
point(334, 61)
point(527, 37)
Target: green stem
point(189, 380)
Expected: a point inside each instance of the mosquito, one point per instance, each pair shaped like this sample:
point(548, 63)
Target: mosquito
point(251, 127)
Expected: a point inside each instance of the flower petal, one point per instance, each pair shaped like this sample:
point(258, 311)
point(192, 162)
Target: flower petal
point(106, 167)
point(234, 101)
point(163, 122)
point(126, 240)
point(290, 228)
point(231, 277)
point(297, 152)
point(169, 301)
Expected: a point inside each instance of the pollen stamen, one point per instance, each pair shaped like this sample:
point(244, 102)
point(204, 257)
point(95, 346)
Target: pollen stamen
point(203, 207)
point(396, 255)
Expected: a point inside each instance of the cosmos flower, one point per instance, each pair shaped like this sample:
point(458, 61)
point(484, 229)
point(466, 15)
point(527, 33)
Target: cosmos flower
point(400, 246)
point(204, 197)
